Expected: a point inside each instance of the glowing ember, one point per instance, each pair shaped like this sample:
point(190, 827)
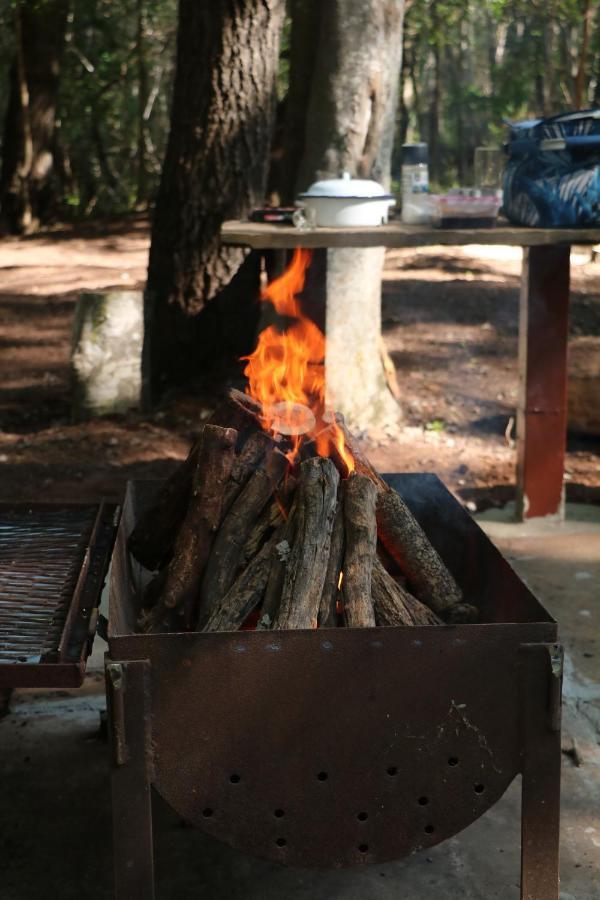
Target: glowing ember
point(286, 372)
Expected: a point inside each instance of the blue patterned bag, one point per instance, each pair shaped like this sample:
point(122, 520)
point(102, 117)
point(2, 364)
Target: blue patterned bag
point(552, 178)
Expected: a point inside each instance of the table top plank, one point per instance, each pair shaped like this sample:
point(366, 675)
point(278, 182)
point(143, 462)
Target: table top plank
point(264, 236)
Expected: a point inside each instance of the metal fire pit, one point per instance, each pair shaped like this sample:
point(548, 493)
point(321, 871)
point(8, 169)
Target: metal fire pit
point(340, 747)
point(53, 560)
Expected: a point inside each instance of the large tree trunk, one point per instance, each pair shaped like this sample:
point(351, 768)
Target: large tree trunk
point(27, 182)
point(349, 126)
point(215, 169)
point(352, 105)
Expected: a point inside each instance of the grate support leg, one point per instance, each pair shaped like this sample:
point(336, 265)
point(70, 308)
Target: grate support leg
point(131, 771)
point(541, 683)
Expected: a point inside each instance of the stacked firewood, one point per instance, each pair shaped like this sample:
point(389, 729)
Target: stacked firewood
point(241, 537)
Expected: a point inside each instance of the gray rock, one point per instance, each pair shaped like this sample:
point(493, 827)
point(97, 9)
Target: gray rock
point(106, 352)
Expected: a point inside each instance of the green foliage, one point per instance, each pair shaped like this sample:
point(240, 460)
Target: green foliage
point(101, 108)
point(491, 61)
point(468, 66)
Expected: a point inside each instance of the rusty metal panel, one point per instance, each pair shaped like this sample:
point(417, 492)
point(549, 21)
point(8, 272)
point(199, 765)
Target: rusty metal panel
point(343, 747)
point(335, 747)
point(542, 406)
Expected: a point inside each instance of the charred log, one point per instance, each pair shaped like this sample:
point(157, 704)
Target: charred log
point(308, 559)
point(360, 498)
point(394, 605)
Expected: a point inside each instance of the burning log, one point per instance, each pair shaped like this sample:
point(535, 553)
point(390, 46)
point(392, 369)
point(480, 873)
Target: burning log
point(152, 539)
point(270, 518)
point(406, 542)
point(306, 566)
point(394, 605)
point(234, 549)
point(195, 537)
point(277, 570)
point(233, 534)
point(238, 411)
point(245, 594)
point(327, 617)
point(360, 497)
point(249, 458)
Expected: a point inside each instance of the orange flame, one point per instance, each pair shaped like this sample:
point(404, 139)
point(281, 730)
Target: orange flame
point(286, 372)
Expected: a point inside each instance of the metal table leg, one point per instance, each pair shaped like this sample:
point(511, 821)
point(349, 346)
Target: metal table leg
point(541, 685)
point(129, 717)
point(542, 405)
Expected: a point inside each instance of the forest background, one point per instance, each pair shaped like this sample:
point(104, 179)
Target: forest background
point(468, 66)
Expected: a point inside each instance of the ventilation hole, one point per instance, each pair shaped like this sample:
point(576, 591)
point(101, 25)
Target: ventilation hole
point(207, 813)
point(322, 776)
point(362, 816)
point(279, 813)
point(423, 801)
point(479, 789)
point(453, 761)
point(363, 848)
point(234, 779)
point(429, 829)
point(392, 770)
point(281, 842)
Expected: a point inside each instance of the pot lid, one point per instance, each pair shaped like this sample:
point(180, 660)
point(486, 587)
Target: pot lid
point(351, 188)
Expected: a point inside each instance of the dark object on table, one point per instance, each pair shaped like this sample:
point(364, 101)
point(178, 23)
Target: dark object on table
point(274, 214)
point(552, 177)
point(465, 208)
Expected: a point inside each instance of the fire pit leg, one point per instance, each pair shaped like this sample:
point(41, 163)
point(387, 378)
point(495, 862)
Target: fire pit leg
point(541, 684)
point(129, 716)
point(542, 405)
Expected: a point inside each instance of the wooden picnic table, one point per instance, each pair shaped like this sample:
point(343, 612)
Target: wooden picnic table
point(543, 327)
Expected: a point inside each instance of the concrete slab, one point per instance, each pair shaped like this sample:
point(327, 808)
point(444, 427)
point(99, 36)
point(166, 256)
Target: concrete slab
point(55, 811)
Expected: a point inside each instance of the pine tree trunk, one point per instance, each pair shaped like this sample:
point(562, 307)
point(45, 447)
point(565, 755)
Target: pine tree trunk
point(200, 293)
point(352, 106)
point(142, 99)
point(306, 16)
point(349, 126)
point(27, 183)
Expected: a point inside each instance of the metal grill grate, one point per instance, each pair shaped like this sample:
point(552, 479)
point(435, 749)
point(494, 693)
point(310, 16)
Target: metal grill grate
point(42, 552)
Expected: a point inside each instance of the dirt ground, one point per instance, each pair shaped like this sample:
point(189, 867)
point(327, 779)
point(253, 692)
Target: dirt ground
point(450, 324)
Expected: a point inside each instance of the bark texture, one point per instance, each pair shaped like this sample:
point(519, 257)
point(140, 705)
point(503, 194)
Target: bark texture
point(306, 566)
point(238, 524)
point(27, 181)
point(347, 123)
point(331, 589)
point(215, 169)
point(360, 499)
point(352, 104)
point(394, 605)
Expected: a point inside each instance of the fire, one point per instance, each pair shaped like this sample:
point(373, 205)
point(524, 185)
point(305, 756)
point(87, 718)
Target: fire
point(286, 372)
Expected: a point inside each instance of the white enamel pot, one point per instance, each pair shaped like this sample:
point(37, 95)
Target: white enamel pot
point(346, 202)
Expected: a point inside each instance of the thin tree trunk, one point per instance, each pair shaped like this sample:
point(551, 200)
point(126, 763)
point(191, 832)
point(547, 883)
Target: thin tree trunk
point(352, 107)
point(142, 175)
point(27, 182)
point(215, 168)
point(580, 77)
point(304, 41)
point(434, 112)
point(349, 126)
